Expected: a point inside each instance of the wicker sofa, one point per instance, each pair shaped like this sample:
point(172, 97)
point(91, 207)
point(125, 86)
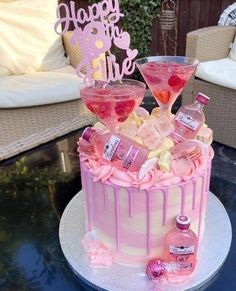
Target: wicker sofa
point(27, 127)
point(208, 44)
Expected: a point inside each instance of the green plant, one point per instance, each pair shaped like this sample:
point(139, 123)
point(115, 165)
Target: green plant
point(138, 20)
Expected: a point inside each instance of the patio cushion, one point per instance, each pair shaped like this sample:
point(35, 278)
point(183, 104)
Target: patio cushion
point(39, 88)
point(232, 53)
point(220, 72)
point(4, 72)
point(28, 40)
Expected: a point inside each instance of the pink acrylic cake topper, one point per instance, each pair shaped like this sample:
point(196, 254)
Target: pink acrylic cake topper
point(99, 32)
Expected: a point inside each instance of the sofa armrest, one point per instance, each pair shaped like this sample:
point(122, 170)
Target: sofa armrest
point(210, 43)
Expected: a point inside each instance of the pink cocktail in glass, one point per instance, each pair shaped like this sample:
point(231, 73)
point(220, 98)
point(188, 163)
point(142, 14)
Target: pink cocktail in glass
point(113, 103)
point(166, 77)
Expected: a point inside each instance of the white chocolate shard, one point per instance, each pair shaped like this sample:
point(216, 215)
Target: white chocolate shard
point(147, 166)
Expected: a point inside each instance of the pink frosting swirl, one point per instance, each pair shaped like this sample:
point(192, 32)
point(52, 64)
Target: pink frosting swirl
point(182, 169)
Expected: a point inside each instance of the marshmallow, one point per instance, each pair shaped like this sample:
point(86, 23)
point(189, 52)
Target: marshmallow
point(205, 135)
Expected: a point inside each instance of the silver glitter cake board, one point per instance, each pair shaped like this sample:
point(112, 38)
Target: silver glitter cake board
point(213, 251)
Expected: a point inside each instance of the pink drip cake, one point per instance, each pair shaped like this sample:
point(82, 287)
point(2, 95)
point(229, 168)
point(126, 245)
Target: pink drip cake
point(132, 215)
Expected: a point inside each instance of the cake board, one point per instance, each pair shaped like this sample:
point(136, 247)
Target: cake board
point(213, 251)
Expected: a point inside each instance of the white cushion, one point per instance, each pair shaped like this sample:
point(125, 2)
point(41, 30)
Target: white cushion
point(28, 40)
point(232, 53)
point(220, 72)
point(39, 88)
point(4, 72)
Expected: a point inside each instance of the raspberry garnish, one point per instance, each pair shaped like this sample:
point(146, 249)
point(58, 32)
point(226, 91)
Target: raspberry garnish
point(163, 96)
point(124, 107)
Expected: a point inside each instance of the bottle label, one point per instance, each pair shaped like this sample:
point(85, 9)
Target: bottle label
point(111, 147)
point(187, 120)
point(182, 250)
point(185, 266)
point(130, 157)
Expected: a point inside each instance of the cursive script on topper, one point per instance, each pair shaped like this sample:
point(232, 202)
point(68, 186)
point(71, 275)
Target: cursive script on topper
point(99, 33)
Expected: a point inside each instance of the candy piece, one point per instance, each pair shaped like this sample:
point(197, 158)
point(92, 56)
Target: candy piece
point(205, 135)
point(159, 270)
point(163, 125)
point(164, 161)
point(147, 166)
point(149, 135)
point(156, 112)
point(156, 270)
point(167, 143)
point(138, 120)
point(163, 96)
point(141, 112)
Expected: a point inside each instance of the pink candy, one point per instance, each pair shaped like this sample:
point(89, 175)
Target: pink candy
point(156, 270)
point(150, 135)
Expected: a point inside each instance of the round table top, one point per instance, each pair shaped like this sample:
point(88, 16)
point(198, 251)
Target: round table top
point(34, 191)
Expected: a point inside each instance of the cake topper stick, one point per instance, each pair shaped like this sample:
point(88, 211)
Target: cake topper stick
point(100, 31)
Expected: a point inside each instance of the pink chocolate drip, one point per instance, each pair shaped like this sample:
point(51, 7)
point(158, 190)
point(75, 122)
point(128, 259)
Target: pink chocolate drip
point(165, 204)
point(84, 186)
point(150, 242)
point(194, 194)
point(201, 206)
point(94, 202)
point(183, 198)
point(105, 196)
point(117, 219)
point(130, 203)
point(148, 198)
point(207, 184)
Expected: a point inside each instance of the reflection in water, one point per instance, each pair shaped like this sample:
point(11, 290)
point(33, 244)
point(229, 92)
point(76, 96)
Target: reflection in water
point(34, 190)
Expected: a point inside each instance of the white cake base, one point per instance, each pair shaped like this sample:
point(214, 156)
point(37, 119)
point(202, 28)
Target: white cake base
point(213, 251)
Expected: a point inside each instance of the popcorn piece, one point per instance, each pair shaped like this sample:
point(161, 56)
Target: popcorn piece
point(138, 139)
point(155, 112)
point(205, 135)
point(164, 161)
point(147, 166)
point(138, 120)
point(167, 144)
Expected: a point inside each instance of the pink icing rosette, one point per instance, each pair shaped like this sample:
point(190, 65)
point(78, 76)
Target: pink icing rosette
point(182, 168)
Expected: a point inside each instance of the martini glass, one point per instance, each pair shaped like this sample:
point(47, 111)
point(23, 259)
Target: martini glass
point(113, 102)
point(166, 76)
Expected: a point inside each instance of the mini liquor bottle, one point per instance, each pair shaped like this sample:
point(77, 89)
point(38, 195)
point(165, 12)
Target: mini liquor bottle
point(181, 249)
point(122, 152)
point(189, 119)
